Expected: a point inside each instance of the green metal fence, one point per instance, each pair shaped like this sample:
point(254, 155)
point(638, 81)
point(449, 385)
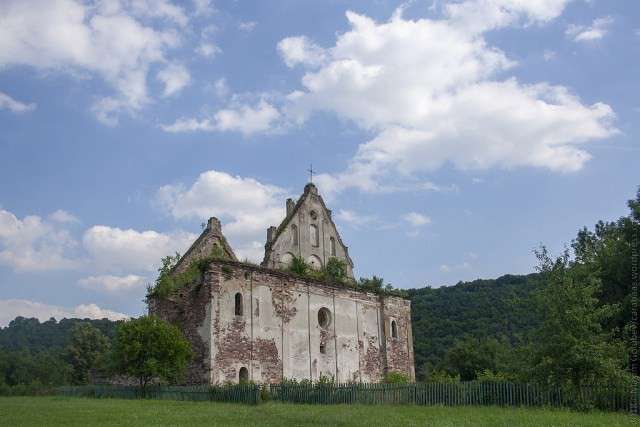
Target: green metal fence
point(242, 393)
point(609, 398)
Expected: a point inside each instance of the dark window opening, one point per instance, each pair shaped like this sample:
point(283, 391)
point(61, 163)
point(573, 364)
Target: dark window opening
point(324, 317)
point(238, 309)
point(394, 329)
point(323, 348)
point(243, 375)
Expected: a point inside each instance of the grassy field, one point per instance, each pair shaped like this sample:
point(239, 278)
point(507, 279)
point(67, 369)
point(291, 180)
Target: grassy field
point(69, 411)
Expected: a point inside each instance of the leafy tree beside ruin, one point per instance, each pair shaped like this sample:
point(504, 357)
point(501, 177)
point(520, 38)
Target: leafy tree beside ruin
point(150, 350)
point(86, 352)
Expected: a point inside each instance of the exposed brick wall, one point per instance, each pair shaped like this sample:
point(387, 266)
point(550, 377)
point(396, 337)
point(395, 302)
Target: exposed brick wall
point(279, 320)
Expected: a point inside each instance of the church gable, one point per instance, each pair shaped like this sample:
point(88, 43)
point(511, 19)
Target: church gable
point(308, 231)
point(210, 242)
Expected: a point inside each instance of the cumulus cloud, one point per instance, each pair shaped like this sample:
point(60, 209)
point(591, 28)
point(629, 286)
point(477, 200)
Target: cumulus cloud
point(113, 284)
point(34, 244)
point(111, 40)
point(243, 118)
point(63, 217)
point(245, 206)
point(416, 219)
point(208, 50)
point(117, 250)
point(435, 92)
point(8, 103)
point(11, 308)
point(203, 7)
point(301, 50)
point(175, 77)
point(597, 30)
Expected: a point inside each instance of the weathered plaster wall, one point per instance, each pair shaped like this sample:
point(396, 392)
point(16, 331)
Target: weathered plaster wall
point(278, 334)
point(283, 246)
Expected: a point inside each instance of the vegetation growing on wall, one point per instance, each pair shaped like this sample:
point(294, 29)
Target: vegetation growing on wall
point(335, 273)
point(169, 281)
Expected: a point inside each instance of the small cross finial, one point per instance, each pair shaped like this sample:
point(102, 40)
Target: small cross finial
point(310, 173)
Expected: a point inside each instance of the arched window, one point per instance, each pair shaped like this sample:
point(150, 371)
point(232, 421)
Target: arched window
point(332, 244)
point(238, 309)
point(314, 235)
point(294, 233)
point(323, 348)
point(243, 375)
point(394, 329)
point(324, 317)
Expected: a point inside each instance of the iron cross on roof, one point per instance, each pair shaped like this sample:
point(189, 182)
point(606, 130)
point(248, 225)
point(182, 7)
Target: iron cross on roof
point(310, 170)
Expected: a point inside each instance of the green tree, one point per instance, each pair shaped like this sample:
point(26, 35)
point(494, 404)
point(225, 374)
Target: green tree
point(471, 356)
point(570, 347)
point(87, 351)
point(150, 349)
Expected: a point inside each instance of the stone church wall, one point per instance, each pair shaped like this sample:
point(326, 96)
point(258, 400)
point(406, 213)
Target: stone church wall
point(278, 334)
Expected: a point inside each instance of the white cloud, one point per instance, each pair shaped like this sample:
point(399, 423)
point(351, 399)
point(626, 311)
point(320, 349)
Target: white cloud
point(245, 206)
point(417, 219)
point(434, 92)
point(113, 284)
point(107, 39)
point(597, 30)
point(175, 77)
point(34, 244)
point(220, 88)
point(247, 119)
point(12, 308)
point(243, 118)
point(163, 9)
point(247, 26)
point(8, 103)
point(117, 250)
point(63, 217)
point(354, 218)
point(203, 7)
point(477, 16)
point(208, 50)
point(301, 50)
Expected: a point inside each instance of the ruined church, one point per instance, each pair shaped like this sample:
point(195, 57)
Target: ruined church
point(261, 323)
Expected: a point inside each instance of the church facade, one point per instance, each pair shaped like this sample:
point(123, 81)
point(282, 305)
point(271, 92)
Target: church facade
point(263, 324)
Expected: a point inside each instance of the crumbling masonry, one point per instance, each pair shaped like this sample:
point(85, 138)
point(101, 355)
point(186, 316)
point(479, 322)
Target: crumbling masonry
point(262, 324)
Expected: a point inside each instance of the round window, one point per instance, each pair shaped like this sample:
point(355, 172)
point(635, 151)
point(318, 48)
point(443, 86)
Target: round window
point(313, 215)
point(324, 317)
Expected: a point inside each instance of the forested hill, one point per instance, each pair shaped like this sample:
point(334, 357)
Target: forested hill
point(33, 336)
point(481, 308)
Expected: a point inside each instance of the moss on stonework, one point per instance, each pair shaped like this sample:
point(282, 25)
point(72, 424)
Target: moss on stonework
point(169, 281)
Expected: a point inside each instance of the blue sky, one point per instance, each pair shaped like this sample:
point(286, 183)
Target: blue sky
point(450, 138)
